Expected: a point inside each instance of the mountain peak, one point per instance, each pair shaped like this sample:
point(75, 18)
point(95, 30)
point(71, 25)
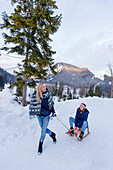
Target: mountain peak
point(64, 66)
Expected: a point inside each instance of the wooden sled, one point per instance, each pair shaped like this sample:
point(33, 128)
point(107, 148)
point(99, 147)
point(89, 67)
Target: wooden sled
point(77, 133)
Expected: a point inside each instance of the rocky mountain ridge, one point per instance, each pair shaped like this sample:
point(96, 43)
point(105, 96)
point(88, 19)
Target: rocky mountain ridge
point(73, 76)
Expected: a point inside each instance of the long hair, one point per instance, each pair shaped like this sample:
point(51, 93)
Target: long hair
point(39, 92)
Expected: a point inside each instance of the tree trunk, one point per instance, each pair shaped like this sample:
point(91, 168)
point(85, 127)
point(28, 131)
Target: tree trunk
point(24, 94)
point(112, 87)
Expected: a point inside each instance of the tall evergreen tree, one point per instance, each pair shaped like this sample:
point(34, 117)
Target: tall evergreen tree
point(91, 90)
point(56, 89)
point(30, 26)
point(69, 96)
point(60, 90)
point(82, 91)
point(1, 81)
point(110, 66)
point(74, 93)
point(68, 90)
point(98, 91)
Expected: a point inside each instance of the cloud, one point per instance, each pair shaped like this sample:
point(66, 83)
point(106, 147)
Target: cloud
point(85, 34)
point(92, 52)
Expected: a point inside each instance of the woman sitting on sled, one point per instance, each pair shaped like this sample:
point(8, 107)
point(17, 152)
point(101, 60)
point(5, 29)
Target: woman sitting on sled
point(80, 121)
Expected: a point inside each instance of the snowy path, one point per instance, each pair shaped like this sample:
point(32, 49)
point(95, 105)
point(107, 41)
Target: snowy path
point(19, 137)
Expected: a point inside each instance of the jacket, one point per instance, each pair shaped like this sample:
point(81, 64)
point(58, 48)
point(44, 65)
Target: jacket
point(81, 117)
point(44, 108)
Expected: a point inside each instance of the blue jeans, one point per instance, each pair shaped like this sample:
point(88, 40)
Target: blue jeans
point(84, 125)
point(44, 121)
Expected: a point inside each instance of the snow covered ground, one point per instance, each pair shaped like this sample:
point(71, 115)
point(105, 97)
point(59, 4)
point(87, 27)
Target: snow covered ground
point(19, 137)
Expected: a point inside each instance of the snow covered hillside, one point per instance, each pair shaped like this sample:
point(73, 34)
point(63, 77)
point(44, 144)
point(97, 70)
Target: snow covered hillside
point(19, 137)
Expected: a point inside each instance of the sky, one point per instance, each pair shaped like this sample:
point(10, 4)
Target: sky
point(85, 37)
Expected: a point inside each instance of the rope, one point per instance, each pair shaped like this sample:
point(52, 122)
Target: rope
point(62, 123)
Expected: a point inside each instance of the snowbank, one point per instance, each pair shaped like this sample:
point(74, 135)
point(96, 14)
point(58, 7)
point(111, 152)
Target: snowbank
point(19, 137)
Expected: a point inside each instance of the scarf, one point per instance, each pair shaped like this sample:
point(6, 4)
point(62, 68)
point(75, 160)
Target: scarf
point(81, 111)
point(47, 95)
point(35, 106)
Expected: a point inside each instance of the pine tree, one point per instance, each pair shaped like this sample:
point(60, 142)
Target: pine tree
point(1, 81)
point(69, 96)
point(110, 66)
point(98, 91)
point(68, 90)
point(30, 26)
point(74, 93)
point(82, 91)
point(56, 89)
point(60, 90)
point(18, 92)
point(64, 97)
point(91, 90)
point(53, 90)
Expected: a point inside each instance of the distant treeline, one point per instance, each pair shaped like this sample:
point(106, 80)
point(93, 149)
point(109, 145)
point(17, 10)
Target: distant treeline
point(5, 78)
point(67, 93)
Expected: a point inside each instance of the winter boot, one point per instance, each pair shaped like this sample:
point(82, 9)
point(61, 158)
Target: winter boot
point(40, 148)
point(71, 131)
point(81, 135)
point(53, 136)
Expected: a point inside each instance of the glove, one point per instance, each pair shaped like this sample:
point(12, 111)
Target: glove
point(31, 116)
point(54, 115)
point(76, 129)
